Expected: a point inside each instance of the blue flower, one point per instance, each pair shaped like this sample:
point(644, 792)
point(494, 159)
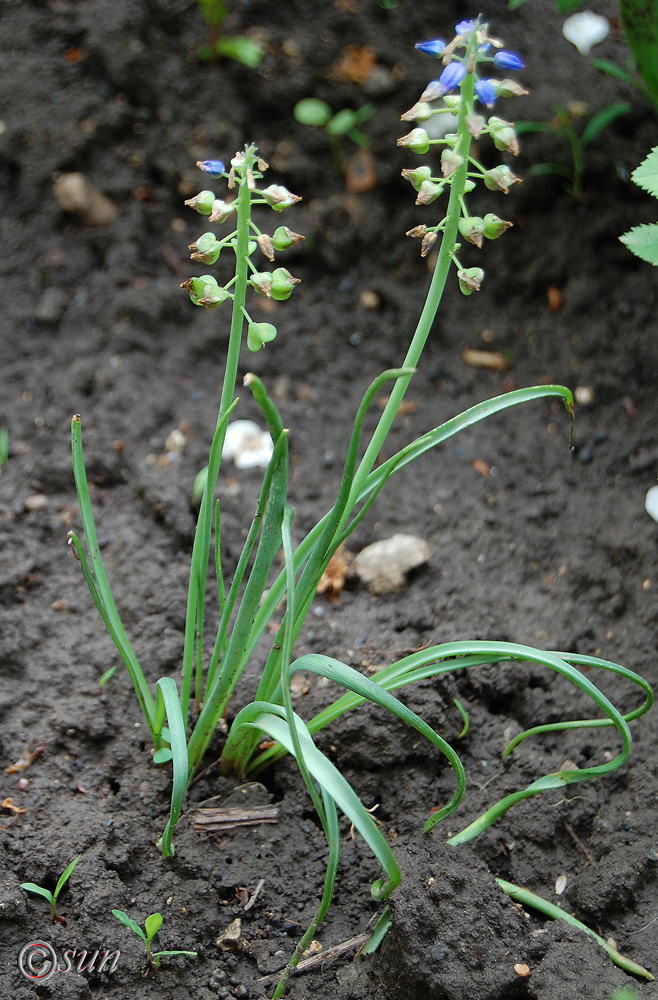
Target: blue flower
point(485, 92)
point(508, 60)
point(213, 167)
point(451, 77)
point(435, 47)
point(464, 27)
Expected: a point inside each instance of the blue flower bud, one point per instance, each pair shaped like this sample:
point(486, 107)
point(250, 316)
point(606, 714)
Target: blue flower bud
point(259, 334)
point(436, 47)
point(452, 76)
point(508, 60)
point(485, 92)
point(464, 27)
point(213, 167)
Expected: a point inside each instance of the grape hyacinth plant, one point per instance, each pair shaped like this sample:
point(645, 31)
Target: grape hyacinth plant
point(182, 718)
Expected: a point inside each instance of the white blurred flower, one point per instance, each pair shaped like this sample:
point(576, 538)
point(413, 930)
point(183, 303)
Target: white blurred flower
point(585, 30)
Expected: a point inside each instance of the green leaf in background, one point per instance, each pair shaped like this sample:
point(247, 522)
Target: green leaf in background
point(567, 6)
point(312, 111)
point(643, 242)
point(601, 120)
point(241, 48)
point(646, 175)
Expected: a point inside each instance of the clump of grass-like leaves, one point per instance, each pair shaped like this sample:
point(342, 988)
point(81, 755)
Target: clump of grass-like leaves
point(183, 718)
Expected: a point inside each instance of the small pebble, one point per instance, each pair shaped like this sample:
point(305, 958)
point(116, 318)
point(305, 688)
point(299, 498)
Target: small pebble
point(370, 300)
point(651, 503)
point(38, 501)
point(383, 565)
point(584, 395)
point(248, 445)
point(51, 306)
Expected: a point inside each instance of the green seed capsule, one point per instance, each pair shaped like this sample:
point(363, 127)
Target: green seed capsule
point(259, 334)
point(202, 202)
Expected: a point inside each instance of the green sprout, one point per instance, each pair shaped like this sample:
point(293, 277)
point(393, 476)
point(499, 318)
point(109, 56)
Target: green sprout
point(241, 48)
point(643, 240)
point(563, 126)
point(271, 570)
point(106, 676)
point(52, 897)
point(346, 122)
point(152, 925)
point(4, 446)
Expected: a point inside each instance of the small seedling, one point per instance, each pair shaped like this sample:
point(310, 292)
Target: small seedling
point(643, 240)
point(4, 446)
point(152, 925)
point(241, 48)
point(106, 676)
point(52, 897)
point(316, 113)
point(563, 125)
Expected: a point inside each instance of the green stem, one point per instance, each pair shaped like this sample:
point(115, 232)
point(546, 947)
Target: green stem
point(193, 648)
point(431, 303)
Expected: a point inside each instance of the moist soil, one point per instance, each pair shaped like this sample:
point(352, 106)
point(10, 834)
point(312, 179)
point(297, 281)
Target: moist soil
point(530, 542)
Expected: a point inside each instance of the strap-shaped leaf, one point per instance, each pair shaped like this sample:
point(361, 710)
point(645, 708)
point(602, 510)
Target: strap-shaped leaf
point(270, 719)
point(527, 898)
point(168, 703)
point(97, 580)
point(129, 923)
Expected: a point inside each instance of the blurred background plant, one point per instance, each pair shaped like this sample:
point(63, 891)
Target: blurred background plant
point(564, 126)
point(4, 446)
point(241, 48)
point(358, 170)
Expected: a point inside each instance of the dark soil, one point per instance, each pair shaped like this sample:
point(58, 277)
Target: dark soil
point(550, 548)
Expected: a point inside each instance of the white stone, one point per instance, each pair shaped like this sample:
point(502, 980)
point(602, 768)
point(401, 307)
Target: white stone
point(382, 566)
point(585, 30)
point(248, 445)
point(651, 503)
